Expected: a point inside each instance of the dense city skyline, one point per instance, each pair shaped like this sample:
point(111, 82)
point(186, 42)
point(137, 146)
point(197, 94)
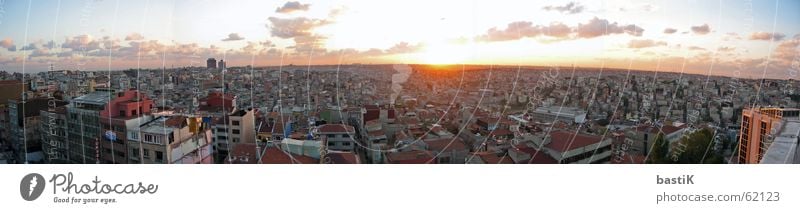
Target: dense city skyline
point(747, 39)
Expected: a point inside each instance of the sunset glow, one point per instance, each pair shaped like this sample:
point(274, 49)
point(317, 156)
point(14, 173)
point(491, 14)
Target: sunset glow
point(620, 34)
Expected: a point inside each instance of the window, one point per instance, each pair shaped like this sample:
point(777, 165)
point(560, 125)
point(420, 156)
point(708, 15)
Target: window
point(133, 135)
point(148, 138)
point(159, 156)
point(346, 144)
point(235, 131)
point(345, 135)
point(331, 144)
point(122, 113)
point(235, 123)
point(331, 135)
point(146, 154)
point(135, 153)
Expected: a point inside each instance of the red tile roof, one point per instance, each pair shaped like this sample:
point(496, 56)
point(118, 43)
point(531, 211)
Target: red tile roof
point(410, 157)
point(336, 128)
point(342, 158)
point(563, 141)
point(538, 157)
point(501, 132)
point(492, 158)
point(446, 144)
point(245, 153)
point(274, 155)
point(176, 121)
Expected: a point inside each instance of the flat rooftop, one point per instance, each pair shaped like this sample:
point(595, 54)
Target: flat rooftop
point(783, 149)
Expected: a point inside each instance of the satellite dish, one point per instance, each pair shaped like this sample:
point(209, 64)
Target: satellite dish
point(110, 135)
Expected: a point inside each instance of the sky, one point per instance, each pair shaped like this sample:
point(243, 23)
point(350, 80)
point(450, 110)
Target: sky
point(742, 38)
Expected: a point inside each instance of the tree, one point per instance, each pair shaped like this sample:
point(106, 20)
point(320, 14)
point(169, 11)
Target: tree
point(695, 148)
point(660, 149)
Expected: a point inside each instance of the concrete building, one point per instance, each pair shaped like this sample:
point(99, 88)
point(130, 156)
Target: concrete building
point(24, 118)
point(234, 128)
point(783, 145)
point(758, 130)
point(221, 64)
point(169, 140)
point(644, 136)
point(568, 147)
point(446, 150)
point(566, 114)
point(211, 63)
point(54, 134)
point(128, 108)
point(9, 90)
point(340, 137)
point(83, 125)
point(88, 121)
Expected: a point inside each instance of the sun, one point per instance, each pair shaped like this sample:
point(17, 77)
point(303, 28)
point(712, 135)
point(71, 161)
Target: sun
point(444, 53)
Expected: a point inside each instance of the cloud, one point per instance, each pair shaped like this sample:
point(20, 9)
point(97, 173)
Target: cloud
point(8, 44)
point(696, 48)
point(134, 37)
point(514, 31)
point(233, 37)
point(137, 49)
point(765, 36)
point(301, 30)
point(569, 8)
point(670, 30)
point(594, 28)
point(41, 52)
point(701, 30)
point(294, 27)
point(404, 47)
point(726, 49)
point(557, 29)
point(645, 43)
point(267, 43)
point(292, 6)
point(598, 27)
point(787, 53)
point(81, 42)
point(10, 60)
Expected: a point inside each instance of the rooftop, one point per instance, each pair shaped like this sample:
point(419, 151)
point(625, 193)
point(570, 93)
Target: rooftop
point(410, 157)
point(563, 141)
point(336, 128)
point(783, 149)
point(245, 153)
point(342, 158)
point(94, 98)
point(445, 144)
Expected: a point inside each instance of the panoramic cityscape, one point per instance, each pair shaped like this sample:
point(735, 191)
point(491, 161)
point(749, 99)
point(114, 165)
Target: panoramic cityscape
point(338, 82)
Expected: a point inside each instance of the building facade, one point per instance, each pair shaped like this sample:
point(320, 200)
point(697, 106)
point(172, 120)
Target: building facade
point(758, 127)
